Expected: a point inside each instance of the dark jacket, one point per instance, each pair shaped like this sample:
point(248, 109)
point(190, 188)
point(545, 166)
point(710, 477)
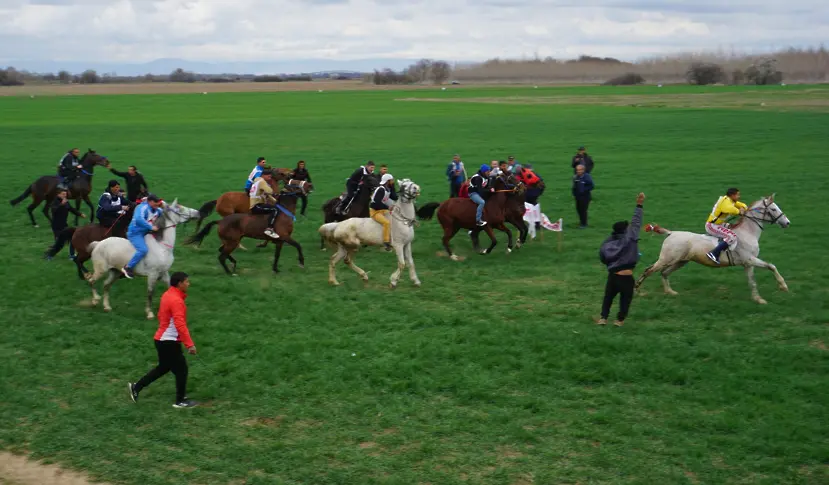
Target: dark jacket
point(60, 212)
point(621, 251)
point(69, 164)
point(380, 193)
point(585, 160)
point(358, 176)
point(301, 174)
point(134, 183)
point(109, 205)
point(478, 184)
point(582, 185)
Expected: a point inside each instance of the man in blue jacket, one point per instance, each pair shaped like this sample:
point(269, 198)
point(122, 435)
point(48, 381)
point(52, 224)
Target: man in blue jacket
point(456, 174)
point(255, 173)
point(143, 222)
point(477, 188)
point(582, 187)
point(620, 253)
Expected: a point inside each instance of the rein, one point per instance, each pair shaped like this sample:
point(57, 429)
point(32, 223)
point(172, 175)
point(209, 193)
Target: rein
point(762, 218)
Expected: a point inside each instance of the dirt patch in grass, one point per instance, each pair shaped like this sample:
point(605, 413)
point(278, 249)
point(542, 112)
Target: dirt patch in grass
point(810, 99)
point(18, 470)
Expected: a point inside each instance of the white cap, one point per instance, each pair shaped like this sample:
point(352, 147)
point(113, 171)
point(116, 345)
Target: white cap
point(387, 177)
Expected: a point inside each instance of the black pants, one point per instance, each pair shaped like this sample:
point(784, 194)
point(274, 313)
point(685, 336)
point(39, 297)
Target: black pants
point(265, 209)
point(582, 203)
point(170, 358)
point(304, 199)
point(618, 285)
point(56, 232)
point(454, 189)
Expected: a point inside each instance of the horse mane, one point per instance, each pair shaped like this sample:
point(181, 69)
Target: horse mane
point(742, 218)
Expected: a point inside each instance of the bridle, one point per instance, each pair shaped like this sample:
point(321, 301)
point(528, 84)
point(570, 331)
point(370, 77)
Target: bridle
point(409, 197)
point(762, 218)
point(511, 188)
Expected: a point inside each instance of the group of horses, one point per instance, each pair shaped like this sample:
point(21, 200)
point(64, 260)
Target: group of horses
point(347, 232)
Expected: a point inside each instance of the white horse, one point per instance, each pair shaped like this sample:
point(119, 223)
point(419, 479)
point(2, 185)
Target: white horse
point(350, 234)
point(680, 247)
point(111, 254)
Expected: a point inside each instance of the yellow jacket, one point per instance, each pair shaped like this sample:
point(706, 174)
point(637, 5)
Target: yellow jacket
point(260, 192)
point(723, 208)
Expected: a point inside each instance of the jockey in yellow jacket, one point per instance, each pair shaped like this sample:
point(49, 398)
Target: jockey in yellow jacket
point(727, 205)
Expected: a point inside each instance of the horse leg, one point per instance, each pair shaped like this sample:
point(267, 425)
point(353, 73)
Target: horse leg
point(113, 275)
point(781, 283)
point(31, 208)
point(91, 210)
point(300, 256)
point(152, 279)
point(262, 244)
point(332, 262)
point(401, 263)
point(666, 285)
point(491, 235)
point(755, 295)
point(276, 252)
point(659, 265)
point(224, 255)
point(322, 244)
point(474, 235)
point(47, 215)
point(349, 260)
point(448, 234)
point(503, 228)
point(410, 263)
point(77, 208)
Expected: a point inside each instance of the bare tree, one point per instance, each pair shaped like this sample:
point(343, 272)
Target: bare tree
point(440, 72)
point(420, 70)
point(64, 77)
point(90, 77)
point(182, 76)
point(11, 77)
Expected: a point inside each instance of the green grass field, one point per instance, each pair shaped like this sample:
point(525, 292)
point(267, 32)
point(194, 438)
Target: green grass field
point(493, 372)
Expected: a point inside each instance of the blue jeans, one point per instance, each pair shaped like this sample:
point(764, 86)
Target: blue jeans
point(137, 241)
point(479, 212)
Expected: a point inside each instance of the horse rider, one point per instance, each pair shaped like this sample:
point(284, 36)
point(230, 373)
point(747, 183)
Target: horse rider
point(261, 195)
point(301, 173)
point(136, 185)
point(143, 222)
point(727, 205)
point(255, 173)
point(352, 185)
point(477, 188)
point(111, 205)
point(379, 206)
point(69, 167)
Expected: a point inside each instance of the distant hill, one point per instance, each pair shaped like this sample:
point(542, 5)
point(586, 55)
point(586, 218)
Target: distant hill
point(350, 68)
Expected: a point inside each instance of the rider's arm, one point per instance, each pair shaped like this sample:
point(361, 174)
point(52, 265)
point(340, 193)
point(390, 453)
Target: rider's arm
point(140, 219)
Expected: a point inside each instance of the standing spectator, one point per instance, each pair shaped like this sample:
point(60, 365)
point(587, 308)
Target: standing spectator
point(301, 173)
point(582, 158)
point(137, 187)
point(620, 252)
point(513, 166)
point(456, 174)
point(60, 212)
point(494, 169)
point(582, 187)
point(172, 332)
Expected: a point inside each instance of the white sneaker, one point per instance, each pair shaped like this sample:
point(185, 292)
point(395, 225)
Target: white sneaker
point(269, 232)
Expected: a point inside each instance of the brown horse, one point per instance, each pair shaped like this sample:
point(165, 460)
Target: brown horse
point(459, 213)
point(82, 236)
point(234, 227)
point(516, 209)
point(46, 188)
point(359, 206)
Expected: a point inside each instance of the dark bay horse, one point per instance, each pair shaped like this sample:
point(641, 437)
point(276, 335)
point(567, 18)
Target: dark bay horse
point(359, 206)
point(459, 213)
point(82, 236)
point(516, 209)
point(234, 227)
point(46, 188)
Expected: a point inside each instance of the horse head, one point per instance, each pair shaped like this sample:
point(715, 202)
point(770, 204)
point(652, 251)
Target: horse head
point(92, 158)
point(408, 189)
point(767, 212)
point(176, 213)
point(299, 187)
point(508, 182)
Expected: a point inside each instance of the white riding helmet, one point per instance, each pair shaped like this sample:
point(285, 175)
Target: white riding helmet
point(387, 177)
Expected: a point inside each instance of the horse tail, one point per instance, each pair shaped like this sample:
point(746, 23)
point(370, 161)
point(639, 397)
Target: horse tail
point(22, 197)
point(91, 246)
point(426, 212)
point(199, 236)
point(204, 211)
point(63, 238)
point(658, 230)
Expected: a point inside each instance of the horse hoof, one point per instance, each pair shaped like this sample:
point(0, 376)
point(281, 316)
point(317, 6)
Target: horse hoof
point(454, 257)
point(417, 284)
point(301, 266)
point(334, 283)
point(107, 309)
point(761, 301)
point(392, 286)
point(233, 274)
point(509, 250)
point(35, 226)
point(671, 292)
point(784, 288)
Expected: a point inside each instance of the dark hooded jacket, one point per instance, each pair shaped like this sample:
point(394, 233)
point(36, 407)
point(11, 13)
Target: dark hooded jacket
point(621, 251)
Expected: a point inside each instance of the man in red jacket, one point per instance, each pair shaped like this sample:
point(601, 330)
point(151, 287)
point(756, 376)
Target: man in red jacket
point(172, 332)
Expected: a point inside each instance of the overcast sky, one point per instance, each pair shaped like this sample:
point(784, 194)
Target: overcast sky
point(455, 30)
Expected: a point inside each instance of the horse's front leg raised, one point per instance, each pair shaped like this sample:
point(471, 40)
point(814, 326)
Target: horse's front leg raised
point(401, 263)
point(299, 253)
point(781, 283)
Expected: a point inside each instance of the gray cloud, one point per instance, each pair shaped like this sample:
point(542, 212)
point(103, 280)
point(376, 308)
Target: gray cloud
point(248, 30)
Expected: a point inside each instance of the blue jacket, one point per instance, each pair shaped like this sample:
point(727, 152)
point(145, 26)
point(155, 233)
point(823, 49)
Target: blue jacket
point(455, 179)
point(582, 185)
point(256, 172)
point(142, 220)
